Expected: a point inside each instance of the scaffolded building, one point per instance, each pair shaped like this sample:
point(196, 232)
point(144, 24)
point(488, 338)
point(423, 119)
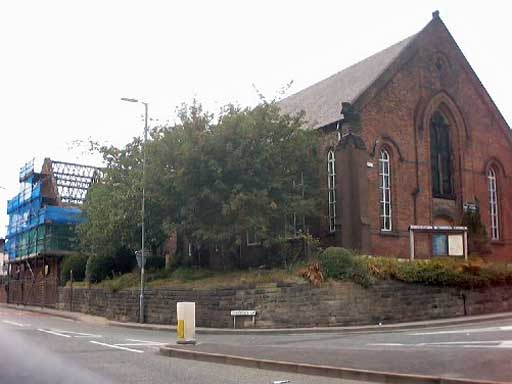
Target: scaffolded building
point(42, 223)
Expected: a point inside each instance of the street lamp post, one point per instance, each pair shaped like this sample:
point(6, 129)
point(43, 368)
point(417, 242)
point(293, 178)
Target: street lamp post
point(143, 232)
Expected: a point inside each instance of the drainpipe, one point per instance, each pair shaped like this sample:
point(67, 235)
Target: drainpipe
point(416, 192)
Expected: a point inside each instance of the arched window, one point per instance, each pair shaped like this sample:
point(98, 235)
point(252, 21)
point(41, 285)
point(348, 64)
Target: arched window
point(385, 190)
point(493, 203)
point(331, 185)
point(441, 157)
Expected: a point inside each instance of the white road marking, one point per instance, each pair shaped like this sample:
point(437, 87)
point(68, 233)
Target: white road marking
point(506, 344)
point(15, 323)
point(467, 331)
point(52, 332)
point(76, 334)
point(139, 344)
point(59, 332)
point(116, 346)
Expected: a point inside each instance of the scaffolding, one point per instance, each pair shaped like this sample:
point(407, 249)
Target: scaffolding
point(73, 181)
point(44, 215)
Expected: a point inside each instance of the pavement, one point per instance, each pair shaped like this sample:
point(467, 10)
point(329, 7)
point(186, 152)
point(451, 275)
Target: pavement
point(264, 331)
point(476, 349)
point(39, 348)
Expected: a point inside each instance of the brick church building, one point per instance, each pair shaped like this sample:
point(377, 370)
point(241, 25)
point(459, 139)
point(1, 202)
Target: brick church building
point(410, 137)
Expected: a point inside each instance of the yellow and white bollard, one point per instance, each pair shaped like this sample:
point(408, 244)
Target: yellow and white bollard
point(186, 312)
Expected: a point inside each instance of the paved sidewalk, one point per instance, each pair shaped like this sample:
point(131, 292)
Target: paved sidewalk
point(341, 364)
point(78, 316)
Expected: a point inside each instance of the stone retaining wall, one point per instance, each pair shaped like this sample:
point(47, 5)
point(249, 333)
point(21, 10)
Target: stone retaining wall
point(294, 305)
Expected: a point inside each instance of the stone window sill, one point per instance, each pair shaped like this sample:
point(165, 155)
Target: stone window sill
point(389, 233)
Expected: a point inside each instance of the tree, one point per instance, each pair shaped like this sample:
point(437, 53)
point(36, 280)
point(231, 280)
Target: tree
point(252, 170)
point(246, 175)
point(112, 206)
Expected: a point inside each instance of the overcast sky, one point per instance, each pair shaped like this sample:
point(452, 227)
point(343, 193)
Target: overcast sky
point(64, 65)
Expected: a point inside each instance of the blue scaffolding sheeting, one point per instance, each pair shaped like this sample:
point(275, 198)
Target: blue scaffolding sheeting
point(39, 223)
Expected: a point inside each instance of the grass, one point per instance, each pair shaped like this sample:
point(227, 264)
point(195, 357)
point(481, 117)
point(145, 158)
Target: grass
point(202, 278)
point(186, 277)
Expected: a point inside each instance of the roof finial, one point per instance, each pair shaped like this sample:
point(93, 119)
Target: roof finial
point(435, 14)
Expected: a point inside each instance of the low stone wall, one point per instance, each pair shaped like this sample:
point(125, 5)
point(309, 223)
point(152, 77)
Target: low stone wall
point(294, 305)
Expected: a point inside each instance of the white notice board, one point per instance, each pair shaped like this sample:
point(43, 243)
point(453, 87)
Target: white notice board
point(456, 244)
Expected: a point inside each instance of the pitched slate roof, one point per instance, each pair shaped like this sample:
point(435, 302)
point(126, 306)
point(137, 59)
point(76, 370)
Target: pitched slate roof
point(322, 101)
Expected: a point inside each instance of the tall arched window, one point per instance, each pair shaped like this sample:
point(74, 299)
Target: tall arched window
point(331, 185)
point(385, 191)
point(441, 157)
point(493, 203)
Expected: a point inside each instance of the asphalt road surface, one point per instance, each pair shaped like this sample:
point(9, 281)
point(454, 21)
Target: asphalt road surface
point(37, 349)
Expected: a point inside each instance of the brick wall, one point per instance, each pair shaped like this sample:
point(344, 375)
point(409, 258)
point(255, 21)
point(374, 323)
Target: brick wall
point(3, 293)
point(397, 116)
point(295, 305)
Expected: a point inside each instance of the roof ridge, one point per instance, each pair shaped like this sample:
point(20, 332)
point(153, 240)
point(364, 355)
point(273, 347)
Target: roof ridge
point(367, 58)
point(322, 100)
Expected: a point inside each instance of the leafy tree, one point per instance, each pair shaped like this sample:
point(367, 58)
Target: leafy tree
point(251, 170)
point(478, 240)
point(75, 263)
point(124, 260)
point(247, 173)
point(98, 268)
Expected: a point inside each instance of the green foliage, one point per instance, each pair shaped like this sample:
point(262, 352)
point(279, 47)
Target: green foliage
point(210, 181)
point(191, 274)
point(343, 264)
point(128, 280)
point(440, 272)
point(98, 268)
point(124, 260)
point(154, 262)
point(478, 240)
point(77, 264)
point(337, 263)
point(113, 205)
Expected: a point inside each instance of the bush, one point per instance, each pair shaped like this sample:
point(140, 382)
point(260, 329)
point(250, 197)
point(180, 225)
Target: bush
point(128, 280)
point(337, 263)
point(155, 262)
point(124, 260)
point(98, 268)
point(191, 274)
point(343, 264)
point(478, 240)
point(75, 263)
point(440, 272)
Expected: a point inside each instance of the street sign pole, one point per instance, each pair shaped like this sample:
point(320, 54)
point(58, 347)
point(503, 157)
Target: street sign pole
point(143, 234)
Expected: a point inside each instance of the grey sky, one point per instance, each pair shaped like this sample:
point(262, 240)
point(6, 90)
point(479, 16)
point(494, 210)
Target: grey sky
point(65, 64)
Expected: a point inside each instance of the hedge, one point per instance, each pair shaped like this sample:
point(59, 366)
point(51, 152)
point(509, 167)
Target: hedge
point(98, 268)
point(75, 263)
point(342, 264)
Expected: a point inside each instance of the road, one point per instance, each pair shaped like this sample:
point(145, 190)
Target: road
point(45, 349)
point(37, 349)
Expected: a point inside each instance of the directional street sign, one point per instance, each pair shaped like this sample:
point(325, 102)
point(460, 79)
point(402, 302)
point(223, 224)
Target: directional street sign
point(138, 256)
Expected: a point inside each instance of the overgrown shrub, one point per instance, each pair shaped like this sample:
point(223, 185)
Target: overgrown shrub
point(98, 268)
point(337, 263)
point(75, 263)
point(478, 240)
point(124, 260)
point(440, 272)
point(127, 280)
point(343, 264)
point(155, 262)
